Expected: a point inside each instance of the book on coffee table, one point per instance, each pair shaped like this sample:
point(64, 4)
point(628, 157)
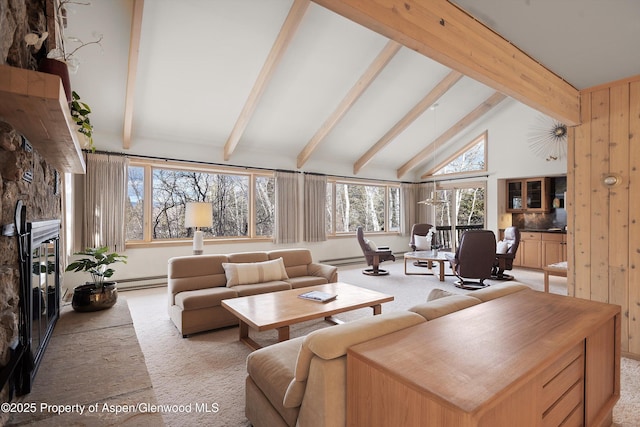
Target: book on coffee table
point(318, 296)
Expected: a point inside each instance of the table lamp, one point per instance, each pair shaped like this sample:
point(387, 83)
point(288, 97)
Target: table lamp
point(198, 214)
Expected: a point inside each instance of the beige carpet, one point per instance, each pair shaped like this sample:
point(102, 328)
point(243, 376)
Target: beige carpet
point(208, 369)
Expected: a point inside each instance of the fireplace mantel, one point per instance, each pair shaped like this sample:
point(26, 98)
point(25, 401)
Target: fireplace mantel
point(35, 104)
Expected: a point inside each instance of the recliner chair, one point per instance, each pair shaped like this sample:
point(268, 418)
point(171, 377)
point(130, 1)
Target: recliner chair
point(373, 255)
point(474, 258)
point(504, 261)
point(419, 230)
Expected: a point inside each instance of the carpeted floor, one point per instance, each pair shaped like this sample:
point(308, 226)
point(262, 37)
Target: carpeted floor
point(205, 373)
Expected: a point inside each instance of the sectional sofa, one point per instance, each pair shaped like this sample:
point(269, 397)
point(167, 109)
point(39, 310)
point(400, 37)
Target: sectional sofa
point(198, 283)
point(302, 382)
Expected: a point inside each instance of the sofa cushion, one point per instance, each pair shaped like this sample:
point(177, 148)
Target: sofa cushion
point(272, 369)
point(304, 281)
point(333, 342)
point(203, 298)
point(442, 306)
point(499, 290)
point(296, 261)
point(254, 272)
point(261, 288)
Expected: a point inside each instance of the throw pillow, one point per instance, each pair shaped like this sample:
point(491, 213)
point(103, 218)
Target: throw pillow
point(372, 246)
point(422, 243)
point(249, 273)
point(438, 293)
point(502, 247)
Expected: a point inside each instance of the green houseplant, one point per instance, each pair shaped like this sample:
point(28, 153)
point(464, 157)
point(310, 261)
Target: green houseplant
point(98, 294)
point(80, 113)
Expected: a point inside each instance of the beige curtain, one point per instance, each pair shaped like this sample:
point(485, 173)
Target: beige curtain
point(410, 206)
point(423, 212)
point(286, 207)
point(105, 192)
point(315, 199)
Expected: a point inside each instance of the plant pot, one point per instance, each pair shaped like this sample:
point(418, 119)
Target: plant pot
point(88, 297)
point(57, 68)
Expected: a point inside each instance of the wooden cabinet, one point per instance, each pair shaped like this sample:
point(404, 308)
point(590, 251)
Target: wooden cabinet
point(538, 249)
point(530, 249)
point(525, 359)
point(554, 248)
point(528, 195)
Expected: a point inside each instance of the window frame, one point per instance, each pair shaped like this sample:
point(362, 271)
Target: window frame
point(149, 164)
point(483, 137)
point(333, 181)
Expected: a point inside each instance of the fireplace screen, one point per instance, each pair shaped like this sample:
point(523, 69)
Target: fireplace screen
point(44, 287)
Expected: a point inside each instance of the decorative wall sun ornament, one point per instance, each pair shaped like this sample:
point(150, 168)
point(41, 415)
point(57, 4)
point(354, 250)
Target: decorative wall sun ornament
point(548, 138)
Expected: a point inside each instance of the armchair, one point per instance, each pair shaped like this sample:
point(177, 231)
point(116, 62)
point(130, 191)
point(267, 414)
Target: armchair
point(474, 259)
point(373, 255)
point(506, 253)
point(419, 230)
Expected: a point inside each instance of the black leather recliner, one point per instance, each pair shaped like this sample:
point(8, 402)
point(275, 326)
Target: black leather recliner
point(474, 258)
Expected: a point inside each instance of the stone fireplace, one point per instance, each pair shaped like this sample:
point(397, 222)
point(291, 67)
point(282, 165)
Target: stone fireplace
point(28, 178)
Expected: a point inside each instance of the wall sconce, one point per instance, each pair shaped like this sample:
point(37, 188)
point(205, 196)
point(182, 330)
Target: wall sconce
point(611, 179)
point(198, 214)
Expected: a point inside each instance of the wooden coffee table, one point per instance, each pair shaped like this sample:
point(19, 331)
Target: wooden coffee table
point(279, 310)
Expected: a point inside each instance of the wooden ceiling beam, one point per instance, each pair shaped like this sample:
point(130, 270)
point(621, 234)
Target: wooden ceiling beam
point(445, 33)
point(465, 122)
point(440, 89)
point(288, 30)
point(132, 71)
point(383, 58)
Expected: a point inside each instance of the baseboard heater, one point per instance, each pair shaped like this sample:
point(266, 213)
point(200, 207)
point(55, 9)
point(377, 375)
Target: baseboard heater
point(142, 282)
point(344, 261)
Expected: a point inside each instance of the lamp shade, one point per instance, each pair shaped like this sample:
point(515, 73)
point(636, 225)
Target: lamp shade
point(198, 214)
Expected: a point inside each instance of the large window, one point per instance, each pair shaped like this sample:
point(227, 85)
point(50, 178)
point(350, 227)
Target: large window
point(471, 158)
point(375, 207)
point(243, 203)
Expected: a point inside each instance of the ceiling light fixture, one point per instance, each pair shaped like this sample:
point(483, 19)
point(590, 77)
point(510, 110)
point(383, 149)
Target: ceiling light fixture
point(433, 199)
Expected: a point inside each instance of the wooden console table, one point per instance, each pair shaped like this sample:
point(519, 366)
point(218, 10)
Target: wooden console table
point(526, 359)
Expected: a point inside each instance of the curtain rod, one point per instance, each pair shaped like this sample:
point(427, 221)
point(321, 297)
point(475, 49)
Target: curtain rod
point(248, 167)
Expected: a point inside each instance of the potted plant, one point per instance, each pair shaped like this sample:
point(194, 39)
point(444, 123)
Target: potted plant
point(80, 113)
point(98, 294)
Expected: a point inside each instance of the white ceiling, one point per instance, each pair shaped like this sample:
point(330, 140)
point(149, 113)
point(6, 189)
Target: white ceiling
point(199, 59)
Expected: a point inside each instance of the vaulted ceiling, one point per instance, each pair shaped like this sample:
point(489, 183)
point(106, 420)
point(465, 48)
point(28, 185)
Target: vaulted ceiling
point(241, 82)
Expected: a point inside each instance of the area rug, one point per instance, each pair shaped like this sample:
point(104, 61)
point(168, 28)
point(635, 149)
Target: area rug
point(203, 376)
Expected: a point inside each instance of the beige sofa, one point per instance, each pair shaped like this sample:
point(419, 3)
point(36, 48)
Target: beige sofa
point(198, 283)
point(302, 382)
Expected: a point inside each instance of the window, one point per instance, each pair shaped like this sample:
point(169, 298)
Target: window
point(465, 210)
point(472, 158)
point(375, 207)
point(243, 202)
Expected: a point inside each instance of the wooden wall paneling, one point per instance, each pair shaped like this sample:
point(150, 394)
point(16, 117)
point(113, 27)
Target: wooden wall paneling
point(582, 202)
point(569, 205)
point(599, 232)
point(619, 204)
point(633, 314)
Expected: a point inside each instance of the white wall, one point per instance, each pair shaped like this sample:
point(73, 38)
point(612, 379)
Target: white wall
point(509, 157)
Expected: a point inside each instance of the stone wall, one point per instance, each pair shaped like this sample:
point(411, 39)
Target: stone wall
point(17, 18)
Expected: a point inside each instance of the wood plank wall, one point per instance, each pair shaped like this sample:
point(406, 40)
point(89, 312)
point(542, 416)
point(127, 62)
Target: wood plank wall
point(604, 221)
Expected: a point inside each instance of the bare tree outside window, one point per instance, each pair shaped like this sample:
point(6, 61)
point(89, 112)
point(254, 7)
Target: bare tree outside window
point(171, 189)
point(359, 205)
point(135, 204)
point(265, 205)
